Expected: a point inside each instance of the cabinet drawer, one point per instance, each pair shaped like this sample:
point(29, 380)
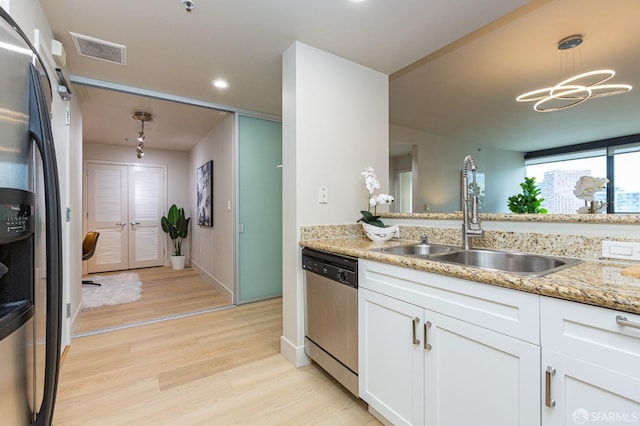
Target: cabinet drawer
point(592, 334)
point(506, 311)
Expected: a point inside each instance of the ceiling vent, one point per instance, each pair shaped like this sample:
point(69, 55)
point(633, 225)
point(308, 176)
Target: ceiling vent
point(99, 49)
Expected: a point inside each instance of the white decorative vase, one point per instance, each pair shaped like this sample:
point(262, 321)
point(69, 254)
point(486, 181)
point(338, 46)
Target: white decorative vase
point(177, 262)
point(379, 235)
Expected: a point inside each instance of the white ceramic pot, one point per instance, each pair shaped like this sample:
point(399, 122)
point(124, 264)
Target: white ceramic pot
point(178, 262)
point(377, 234)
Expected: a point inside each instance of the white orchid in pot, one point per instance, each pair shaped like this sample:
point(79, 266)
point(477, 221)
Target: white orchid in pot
point(373, 227)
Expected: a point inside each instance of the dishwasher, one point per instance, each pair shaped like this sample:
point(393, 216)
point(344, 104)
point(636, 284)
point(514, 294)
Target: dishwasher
point(331, 314)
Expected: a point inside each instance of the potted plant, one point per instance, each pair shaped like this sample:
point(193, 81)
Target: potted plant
point(373, 227)
point(177, 226)
point(529, 201)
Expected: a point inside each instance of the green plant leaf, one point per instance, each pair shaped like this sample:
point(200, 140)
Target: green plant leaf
point(371, 219)
point(527, 201)
point(177, 226)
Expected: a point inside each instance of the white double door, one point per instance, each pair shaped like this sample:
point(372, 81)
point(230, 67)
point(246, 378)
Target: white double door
point(125, 204)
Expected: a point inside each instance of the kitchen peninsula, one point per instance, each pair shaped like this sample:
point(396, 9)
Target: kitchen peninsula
point(433, 334)
point(595, 281)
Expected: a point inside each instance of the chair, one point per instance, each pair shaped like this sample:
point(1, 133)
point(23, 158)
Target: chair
point(89, 244)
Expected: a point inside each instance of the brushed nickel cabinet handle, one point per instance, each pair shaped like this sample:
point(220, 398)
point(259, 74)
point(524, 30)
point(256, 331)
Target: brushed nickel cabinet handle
point(416, 321)
point(547, 387)
point(135, 223)
point(121, 224)
point(622, 320)
point(427, 345)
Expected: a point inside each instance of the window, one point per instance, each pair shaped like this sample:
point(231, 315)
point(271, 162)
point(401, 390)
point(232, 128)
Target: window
point(557, 171)
point(626, 193)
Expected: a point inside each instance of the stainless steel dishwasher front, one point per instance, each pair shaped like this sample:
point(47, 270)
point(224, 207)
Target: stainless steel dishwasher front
point(331, 314)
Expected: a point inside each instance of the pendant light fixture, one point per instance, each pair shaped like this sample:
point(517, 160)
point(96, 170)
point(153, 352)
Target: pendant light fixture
point(574, 90)
point(142, 117)
point(188, 5)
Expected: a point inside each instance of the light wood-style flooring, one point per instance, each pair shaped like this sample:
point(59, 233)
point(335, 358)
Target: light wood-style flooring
point(165, 293)
point(216, 368)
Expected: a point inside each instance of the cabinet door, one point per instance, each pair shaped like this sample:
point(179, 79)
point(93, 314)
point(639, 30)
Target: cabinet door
point(391, 357)
point(580, 392)
point(475, 376)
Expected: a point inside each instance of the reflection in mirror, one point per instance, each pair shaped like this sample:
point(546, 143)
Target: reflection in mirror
point(460, 101)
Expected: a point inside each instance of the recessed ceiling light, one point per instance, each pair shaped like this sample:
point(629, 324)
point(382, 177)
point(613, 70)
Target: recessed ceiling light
point(220, 84)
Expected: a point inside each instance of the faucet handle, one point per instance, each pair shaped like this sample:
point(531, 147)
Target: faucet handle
point(423, 239)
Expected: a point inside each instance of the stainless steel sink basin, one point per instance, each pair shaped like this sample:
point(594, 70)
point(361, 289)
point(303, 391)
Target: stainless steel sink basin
point(514, 263)
point(416, 250)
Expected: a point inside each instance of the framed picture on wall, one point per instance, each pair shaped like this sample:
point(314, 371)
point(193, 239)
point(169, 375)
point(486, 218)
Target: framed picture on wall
point(204, 194)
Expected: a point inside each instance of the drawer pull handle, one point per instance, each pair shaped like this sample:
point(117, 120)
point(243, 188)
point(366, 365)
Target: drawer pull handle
point(427, 345)
point(547, 387)
point(415, 323)
point(622, 320)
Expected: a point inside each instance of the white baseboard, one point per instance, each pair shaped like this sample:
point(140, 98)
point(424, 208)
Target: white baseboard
point(220, 288)
point(294, 354)
point(74, 319)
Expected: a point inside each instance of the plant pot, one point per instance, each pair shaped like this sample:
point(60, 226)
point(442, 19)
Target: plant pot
point(377, 234)
point(177, 262)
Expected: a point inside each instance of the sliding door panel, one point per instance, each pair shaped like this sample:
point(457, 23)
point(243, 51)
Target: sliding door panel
point(260, 209)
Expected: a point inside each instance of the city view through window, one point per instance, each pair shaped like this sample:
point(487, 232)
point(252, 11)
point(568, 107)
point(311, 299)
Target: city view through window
point(557, 181)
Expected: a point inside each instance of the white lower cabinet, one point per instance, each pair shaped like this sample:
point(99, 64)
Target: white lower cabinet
point(475, 376)
point(577, 392)
point(391, 366)
point(420, 366)
point(590, 365)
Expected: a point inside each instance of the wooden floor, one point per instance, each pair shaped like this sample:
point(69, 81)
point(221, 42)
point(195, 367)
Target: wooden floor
point(165, 293)
point(216, 368)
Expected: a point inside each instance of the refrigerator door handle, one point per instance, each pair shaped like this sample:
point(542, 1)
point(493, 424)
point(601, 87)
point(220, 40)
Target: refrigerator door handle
point(40, 130)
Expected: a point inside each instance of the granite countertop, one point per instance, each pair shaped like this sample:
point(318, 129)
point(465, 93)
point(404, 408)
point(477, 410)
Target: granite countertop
point(591, 282)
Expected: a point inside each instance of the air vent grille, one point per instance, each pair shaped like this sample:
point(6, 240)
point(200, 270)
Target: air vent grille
point(99, 49)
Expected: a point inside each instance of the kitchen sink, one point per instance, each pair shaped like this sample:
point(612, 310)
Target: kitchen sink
point(514, 263)
point(416, 250)
point(494, 260)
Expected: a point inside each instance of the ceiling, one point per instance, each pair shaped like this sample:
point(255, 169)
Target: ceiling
point(455, 67)
point(107, 117)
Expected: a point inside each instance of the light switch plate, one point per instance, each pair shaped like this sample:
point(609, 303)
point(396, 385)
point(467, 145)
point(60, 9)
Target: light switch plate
point(621, 250)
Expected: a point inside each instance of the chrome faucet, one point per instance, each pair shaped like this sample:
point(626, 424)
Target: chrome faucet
point(470, 219)
point(424, 240)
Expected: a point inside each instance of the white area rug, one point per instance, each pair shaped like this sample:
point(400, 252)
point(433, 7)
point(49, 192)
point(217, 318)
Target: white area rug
point(114, 290)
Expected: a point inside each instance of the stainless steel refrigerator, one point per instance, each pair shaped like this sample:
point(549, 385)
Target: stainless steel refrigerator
point(30, 248)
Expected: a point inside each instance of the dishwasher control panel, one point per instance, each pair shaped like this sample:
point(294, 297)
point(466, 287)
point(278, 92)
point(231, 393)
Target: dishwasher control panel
point(338, 268)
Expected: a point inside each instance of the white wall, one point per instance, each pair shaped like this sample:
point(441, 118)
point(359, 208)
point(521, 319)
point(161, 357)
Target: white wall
point(212, 247)
point(440, 162)
point(178, 172)
point(74, 176)
point(335, 124)
point(504, 170)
